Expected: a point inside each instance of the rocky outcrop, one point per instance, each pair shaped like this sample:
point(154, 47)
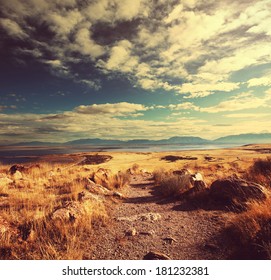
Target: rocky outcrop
point(234, 190)
point(101, 190)
point(69, 212)
point(190, 183)
point(103, 177)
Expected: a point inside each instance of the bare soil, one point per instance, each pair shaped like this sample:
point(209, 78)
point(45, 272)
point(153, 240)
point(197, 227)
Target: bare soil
point(145, 221)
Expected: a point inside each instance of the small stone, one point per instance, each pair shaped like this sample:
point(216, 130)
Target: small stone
point(150, 233)
point(131, 232)
point(170, 239)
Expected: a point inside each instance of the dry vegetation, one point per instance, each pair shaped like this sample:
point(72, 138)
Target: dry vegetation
point(249, 228)
point(46, 211)
point(170, 184)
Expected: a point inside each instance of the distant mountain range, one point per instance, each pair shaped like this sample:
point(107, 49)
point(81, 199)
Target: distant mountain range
point(242, 139)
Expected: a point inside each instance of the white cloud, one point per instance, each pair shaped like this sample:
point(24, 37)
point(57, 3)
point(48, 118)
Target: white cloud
point(239, 102)
point(191, 47)
point(64, 24)
point(116, 109)
point(87, 46)
point(247, 116)
point(121, 58)
point(175, 14)
point(200, 90)
point(184, 106)
point(263, 81)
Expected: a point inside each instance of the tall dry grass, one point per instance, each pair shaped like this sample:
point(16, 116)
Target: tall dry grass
point(170, 184)
point(260, 172)
point(251, 231)
point(27, 230)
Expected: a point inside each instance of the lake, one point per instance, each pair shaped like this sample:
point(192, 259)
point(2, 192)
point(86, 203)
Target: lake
point(19, 154)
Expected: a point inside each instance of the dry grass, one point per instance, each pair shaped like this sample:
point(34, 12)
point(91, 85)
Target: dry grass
point(27, 229)
point(260, 172)
point(170, 184)
point(251, 231)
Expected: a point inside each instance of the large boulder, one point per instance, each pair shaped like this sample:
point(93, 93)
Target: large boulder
point(234, 190)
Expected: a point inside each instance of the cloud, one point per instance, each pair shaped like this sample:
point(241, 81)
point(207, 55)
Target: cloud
point(247, 116)
point(120, 58)
point(263, 81)
point(64, 24)
point(116, 109)
point(87, 46)
point(12, 28)
point(184, 106)
point(240, 102)
point(188, 47)
point(200, 90)
point(4, 107)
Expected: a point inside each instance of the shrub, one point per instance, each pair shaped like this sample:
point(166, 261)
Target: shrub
point(260, 172)
point(251, 231)
point(170, 184)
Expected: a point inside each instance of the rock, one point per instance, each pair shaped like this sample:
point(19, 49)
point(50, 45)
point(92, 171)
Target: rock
point(70, 212)
point(141, 217)
point(130, 171)
point(97, 189)
point(181, 172)
point(190, 183)
point(169, 239)
point(131, 232)
point(150, 217)
point(83, 196)
point(118, 195)
point(156, 256)
point(151, 232)
point(16, 167)
point(211, 247)
point(17, 175)
point(197, 177)
point(234, 190)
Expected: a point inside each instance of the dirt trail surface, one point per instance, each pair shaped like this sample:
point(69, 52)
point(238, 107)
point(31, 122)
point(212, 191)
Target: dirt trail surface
point(145, 222)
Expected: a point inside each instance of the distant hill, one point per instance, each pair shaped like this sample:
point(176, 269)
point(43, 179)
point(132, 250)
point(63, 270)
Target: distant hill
point(183, 140)
point(241, 139)
point(250, 138)
point(36, 143)
point(95, 141)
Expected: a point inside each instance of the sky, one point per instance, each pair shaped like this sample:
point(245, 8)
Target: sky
point(134, 69)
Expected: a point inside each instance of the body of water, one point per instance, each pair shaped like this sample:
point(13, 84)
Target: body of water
point(16, 154)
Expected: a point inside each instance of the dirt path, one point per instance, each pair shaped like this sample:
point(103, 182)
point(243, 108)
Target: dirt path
point(145, 222)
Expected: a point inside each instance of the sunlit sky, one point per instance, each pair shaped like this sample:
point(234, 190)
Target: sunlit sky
point(130, 69)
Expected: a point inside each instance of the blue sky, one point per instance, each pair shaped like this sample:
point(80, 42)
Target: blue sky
point(121, 69)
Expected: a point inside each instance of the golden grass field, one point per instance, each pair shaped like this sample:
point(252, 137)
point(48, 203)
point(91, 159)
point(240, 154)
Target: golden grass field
point(35, 223)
